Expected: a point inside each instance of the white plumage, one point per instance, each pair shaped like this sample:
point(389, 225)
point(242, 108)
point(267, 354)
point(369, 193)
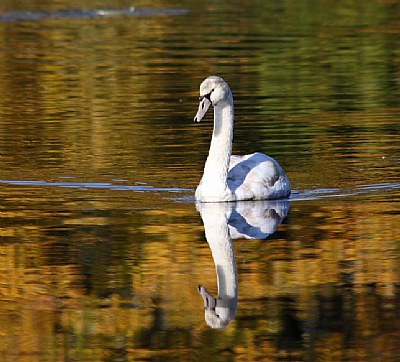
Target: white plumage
point(233, 178)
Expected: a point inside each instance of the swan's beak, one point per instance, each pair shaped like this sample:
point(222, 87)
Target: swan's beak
point(205, 103)
point(209, 302)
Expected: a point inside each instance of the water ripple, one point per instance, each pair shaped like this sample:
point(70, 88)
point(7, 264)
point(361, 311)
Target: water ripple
point(142, 187)
point(94, 185)
point(344, 192)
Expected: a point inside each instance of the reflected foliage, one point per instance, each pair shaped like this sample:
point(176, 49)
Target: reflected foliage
point(104, 282)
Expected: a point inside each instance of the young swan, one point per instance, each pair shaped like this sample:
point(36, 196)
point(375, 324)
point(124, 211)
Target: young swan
point(227, 177)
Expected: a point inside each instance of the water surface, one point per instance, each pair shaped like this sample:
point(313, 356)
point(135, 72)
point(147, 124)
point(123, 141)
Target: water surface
point(102, 248)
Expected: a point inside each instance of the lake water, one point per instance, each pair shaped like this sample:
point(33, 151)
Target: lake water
point(104, 255)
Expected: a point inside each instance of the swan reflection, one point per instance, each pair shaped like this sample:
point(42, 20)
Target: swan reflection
point(222, 223)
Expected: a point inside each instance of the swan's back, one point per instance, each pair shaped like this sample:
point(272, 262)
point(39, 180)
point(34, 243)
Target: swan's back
point(257, 177)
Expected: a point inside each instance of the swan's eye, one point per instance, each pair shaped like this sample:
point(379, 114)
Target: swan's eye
point(208, 96)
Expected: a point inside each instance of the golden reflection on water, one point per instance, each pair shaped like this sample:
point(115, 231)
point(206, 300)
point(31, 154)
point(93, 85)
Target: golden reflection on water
point(96, 283)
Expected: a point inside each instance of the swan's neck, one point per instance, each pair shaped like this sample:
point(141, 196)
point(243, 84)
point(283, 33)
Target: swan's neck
point(220, 242)
point(217, 164)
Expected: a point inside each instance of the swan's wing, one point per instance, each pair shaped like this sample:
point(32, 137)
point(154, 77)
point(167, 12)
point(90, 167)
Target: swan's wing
point(235, 160)
point(257, 176)
point(254, 168)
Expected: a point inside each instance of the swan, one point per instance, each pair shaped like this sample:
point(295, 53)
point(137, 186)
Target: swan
point(224, 221)
point(233, 178)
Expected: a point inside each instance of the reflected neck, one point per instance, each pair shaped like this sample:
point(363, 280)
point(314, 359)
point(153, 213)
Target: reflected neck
point(220, 242)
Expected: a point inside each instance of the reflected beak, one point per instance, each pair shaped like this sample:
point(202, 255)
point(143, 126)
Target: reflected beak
point(209, 302)
point(205, 103)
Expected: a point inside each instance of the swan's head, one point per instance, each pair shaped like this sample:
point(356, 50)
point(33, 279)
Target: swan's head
point(213, 91)
point(218, 313)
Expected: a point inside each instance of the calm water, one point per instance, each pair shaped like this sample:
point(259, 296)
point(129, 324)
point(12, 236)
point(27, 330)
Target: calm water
point(102, 248)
